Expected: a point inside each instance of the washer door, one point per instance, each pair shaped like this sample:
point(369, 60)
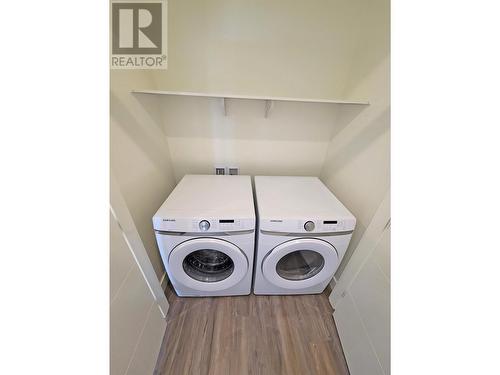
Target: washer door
point(300, 263)
point(207, 264)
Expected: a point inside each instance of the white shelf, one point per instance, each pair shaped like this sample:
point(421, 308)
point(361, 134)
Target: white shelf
point(226, 96)
point(268, 99)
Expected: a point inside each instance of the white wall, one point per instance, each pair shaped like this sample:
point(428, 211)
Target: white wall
point(270, 48)
point(357, 166)
point(293, 140)
point(140, 158)
point(278, 48)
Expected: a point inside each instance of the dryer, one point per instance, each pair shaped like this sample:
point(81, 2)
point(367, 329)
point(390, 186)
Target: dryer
point(205, 231)
point(303, 234)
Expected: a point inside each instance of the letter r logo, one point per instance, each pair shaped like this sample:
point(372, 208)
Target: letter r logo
point(137, 28)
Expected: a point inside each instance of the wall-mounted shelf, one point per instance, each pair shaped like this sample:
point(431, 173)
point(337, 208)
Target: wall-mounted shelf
point(269, 100)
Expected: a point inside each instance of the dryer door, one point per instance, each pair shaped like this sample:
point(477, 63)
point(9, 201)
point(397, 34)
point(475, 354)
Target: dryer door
point(207, 264)
point(300, 263)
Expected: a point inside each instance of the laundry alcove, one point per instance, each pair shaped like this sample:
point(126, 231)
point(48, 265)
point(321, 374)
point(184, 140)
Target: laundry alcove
point(297, 90)
point(165, 136)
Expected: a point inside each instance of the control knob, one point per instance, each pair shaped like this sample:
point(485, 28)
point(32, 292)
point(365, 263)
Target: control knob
point(204, 225)
point(309, 226)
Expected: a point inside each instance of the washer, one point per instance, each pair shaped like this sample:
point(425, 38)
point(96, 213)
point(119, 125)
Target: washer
point(303, 234)
point(205, 231)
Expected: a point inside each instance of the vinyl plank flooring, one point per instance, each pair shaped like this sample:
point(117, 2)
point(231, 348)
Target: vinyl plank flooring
point(257, 335)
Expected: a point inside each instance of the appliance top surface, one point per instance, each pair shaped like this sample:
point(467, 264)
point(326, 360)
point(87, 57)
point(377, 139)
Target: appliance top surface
point(210, 195)
point(283, 197)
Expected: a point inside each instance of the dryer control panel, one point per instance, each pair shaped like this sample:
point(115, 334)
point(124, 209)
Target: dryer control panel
point(318, 225)
point(308, 225)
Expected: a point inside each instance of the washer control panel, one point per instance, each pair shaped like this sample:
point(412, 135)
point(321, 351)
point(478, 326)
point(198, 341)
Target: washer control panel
point(207, 224)
point(203, 224)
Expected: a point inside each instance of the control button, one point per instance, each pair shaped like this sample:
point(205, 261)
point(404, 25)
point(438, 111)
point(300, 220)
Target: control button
point(309, 226)
point(204, 225)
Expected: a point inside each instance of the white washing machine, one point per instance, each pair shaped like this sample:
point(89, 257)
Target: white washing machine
point(303, 233)
point(206, 235)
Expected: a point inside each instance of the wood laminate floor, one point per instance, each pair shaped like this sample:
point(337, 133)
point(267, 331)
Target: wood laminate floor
point(264, 335)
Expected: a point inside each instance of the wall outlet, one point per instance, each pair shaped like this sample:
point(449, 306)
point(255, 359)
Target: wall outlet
point(233, 171)
point(220, 170)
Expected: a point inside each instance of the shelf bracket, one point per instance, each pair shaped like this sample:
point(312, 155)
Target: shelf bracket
point(269, 107)
point(225, 106)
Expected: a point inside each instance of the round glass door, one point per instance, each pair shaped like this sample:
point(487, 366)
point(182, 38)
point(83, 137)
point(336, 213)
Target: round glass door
point(300, 265)
point(208, 265)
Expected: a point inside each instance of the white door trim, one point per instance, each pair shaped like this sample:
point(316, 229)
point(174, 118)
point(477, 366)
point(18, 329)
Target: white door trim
point(379, 222)
point(124, 219)
point(361, 299)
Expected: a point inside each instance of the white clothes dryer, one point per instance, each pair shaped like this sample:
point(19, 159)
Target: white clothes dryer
point(205, 231)
point(303, 234)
